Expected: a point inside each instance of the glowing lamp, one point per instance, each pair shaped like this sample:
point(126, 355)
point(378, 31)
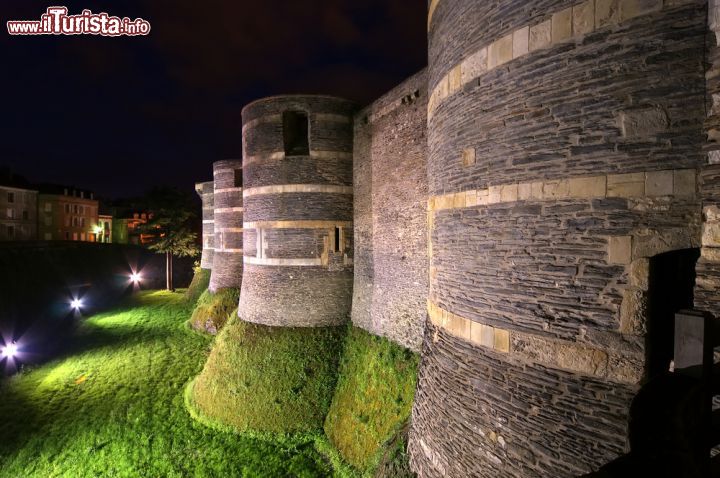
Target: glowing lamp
point(135, 277)
point(10, 350)
point(76, 303)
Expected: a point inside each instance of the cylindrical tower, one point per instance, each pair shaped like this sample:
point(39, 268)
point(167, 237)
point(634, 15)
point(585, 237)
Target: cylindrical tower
point(227, 270)
point(564, 138)
point(298, 211)
point(206, 192)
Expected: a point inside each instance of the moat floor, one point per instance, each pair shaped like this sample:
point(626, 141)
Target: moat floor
point(113, 407)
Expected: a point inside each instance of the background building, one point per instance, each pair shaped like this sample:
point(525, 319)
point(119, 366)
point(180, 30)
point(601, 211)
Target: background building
point(104, 228)
point(18, 214)
point(67, 214)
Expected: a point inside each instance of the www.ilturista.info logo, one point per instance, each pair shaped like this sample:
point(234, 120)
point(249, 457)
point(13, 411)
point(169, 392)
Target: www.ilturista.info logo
point(56, 21)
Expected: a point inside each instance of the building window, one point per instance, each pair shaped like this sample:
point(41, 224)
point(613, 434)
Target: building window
point(48, 207)
point(75, 236)
point(11, 197)
point(67, 236)
point(67, 209)
point(82, 222)
point(238, 178)
point(295, 133)
point(48, 236)
point(75, 209)
point(338, 239)
point(10, 213)
point(10, 231)
point(26, 215)
point(48, 220)
point(82, 236)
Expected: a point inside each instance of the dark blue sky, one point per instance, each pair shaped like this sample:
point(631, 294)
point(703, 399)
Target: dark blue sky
point(121, 115)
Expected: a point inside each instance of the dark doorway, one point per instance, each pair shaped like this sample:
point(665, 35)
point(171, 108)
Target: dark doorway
point(295, 133)
point(672, 280)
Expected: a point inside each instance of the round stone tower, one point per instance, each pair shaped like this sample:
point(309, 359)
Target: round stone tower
point(206, 192)
point(564, 139)
point(227, 270)
point(298, 211)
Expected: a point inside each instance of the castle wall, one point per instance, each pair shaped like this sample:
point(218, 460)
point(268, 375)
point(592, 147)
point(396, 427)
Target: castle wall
point(206, 191)
point(390, 186)
point(708, 267)
point(564, 143)
point(298, 227)
point(227, 269)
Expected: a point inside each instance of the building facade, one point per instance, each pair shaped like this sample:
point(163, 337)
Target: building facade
point(18, 214)
point(104, 228)
point(66, 214)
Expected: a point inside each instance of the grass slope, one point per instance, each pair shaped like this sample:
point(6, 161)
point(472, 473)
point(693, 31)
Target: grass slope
point(213, 310)
point(372, 401)
point(200, 283)
point(113, 407)
point(268, 379)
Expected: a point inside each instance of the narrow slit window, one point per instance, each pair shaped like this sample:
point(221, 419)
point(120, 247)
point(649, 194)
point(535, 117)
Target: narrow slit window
point(295, 133)
point(238, 178)
point(338, 235)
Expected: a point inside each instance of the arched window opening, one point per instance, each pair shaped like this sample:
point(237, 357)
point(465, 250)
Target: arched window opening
point(295, 133)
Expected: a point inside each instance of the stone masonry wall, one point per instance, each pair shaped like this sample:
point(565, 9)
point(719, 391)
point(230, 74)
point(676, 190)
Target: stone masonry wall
point(708, 267)
point(390, 185)
point(206, 191)
point(227, 270)
point(298, 214)
point(487, 397)
point(565, 141)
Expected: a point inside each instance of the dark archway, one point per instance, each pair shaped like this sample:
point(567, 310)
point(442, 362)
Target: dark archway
point(671, 285)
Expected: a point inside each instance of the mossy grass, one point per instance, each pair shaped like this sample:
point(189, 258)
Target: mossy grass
point(373, 399)
point(213, 309)
point(113, 406)
point(269, 380)
point(200, 283)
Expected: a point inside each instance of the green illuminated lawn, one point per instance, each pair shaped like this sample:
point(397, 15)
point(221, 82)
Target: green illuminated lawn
point(113, 407)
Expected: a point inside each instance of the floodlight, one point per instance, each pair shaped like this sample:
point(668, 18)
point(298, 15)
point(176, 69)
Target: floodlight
point(9, 351)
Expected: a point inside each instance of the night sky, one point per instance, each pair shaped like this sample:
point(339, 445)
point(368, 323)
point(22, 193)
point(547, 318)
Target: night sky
point(121, 115)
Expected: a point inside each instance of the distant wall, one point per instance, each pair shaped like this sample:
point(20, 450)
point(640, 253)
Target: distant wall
point(390, 190)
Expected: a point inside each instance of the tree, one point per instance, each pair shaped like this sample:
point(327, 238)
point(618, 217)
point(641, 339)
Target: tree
point(170, 226)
